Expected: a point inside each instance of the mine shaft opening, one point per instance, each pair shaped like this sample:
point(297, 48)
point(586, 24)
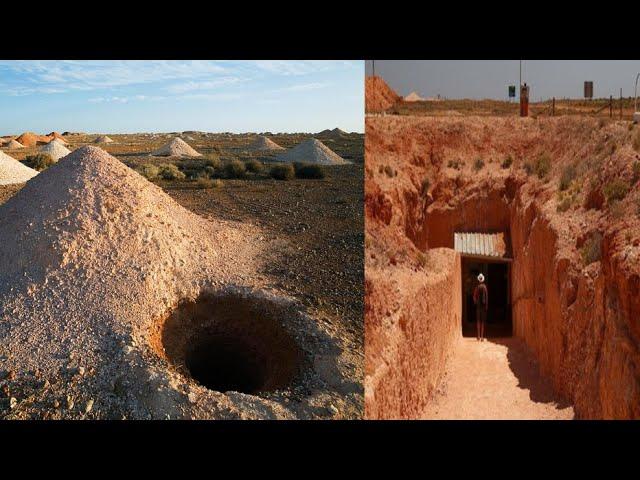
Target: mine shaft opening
point(231, 343)
point(497, 276)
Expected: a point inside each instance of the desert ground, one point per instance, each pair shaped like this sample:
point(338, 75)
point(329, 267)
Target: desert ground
point(111, 280)
point(563, 190)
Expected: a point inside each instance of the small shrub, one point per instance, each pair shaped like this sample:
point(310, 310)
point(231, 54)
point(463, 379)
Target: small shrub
point(309, 171)
point(601, 123)
point(592, 249)
point(424, 188)
point(454, 164)
point(235, 169)
point(39, 161)
point(204, 182)
point(636, 171)
point(636, 142)
point(568, 176)
point(542, 165)
point(478, 164)
point(169, 171)
point(254, 166)
point(149, 171)
point(282, 172)
point(616, 209)
point(528, 167)
point(565, 204)
point(212, 161)
point(211, 172)
point(507, 162)
point(389, 171)
point(615, 190)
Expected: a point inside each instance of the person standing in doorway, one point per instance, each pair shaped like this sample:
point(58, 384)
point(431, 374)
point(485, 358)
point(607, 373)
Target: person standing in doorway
point(481, 300)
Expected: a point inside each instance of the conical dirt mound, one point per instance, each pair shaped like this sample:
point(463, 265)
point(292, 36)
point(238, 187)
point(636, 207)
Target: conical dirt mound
point(29, 139)
point(55, 149)
point(177, 148)
point(13, 145)
point(12, 171)
point(378, 95)
point(103, 139)
point(94, 258)
point(312, 151)
point(56, 135)
point(413, 97)
point(263, 144)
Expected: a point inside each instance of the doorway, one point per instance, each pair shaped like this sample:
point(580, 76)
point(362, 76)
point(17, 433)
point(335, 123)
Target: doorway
point(497, 275)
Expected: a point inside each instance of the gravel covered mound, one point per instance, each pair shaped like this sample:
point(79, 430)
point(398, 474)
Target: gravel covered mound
point(13, 145)
point(55, 149)
point(263, 144)
point(12, 171)
point(177, 148)
point(29, 139)
point(312, 151)
point(99, 267)
point(103, 139)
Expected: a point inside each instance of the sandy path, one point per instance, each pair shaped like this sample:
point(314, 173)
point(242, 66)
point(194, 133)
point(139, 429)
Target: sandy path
point(495, 379)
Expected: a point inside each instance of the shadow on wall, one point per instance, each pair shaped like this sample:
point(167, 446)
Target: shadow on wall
point(525, 367)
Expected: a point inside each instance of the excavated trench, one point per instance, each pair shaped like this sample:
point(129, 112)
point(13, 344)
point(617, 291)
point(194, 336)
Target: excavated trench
point(233, 342)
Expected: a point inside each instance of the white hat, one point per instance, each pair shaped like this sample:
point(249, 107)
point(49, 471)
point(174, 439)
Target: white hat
point(481, 278)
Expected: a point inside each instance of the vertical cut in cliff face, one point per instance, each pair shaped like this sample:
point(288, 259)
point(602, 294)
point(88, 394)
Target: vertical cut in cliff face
point(565, 190)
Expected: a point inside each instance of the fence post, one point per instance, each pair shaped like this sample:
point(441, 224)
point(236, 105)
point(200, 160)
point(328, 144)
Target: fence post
point(553, 107)
point(620, 104)
point(610, 106)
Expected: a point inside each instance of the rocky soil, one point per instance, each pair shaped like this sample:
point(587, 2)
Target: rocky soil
point(378, 95)
point(95, 258)
point(566, 188)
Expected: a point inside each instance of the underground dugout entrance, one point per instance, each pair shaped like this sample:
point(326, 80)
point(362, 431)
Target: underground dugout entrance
point(486, 254)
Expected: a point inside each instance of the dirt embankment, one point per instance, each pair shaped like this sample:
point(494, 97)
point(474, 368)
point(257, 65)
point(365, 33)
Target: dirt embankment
point(378, 95)
point(557, 185)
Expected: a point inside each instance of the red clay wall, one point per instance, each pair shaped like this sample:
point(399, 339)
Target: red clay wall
point(411, 323)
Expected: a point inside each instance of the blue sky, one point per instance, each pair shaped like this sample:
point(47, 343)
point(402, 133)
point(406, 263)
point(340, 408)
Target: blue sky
point(163, 96)
point(490, 78)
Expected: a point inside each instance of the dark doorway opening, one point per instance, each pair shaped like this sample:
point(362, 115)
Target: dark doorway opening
point(497, 275)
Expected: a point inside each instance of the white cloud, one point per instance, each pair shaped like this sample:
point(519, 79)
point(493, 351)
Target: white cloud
point(304, 87)
point(203, 85)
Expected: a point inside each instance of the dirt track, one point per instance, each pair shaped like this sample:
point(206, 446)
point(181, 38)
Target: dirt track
point(493, 380)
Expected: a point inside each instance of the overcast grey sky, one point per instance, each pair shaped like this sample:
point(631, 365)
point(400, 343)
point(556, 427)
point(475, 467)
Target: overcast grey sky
point(490, 78)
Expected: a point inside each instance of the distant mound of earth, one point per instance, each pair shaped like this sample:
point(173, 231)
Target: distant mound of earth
point(12, 171)
point(413, 97)
point(55, 149)
point(176, 148)
point(312, 151)
point(13, 145)
point(103, 139)
point(263, 143)
point(29, 139)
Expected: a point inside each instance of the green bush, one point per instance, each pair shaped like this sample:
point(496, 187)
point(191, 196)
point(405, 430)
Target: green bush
point(235, 169)
point(542, 165)
point(204, 182)
point(213, 161)
point(455, 164)
point(592, 249)
point(254, 166)
point(507, 162)
point(568, 176)
point(149, 171)
point(309, 171)
point(169, 171)
point(39, 161)
point(478, 164)
point(565, 204)
point(615, 190)
point(282, 172)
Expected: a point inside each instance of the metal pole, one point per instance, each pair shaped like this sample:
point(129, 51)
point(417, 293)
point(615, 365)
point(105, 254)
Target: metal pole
point(610, 106)
point(520, 72)
point(553, 107)
point(373, 63)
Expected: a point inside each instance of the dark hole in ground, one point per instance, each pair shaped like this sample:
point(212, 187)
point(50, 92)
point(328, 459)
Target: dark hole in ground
point(231, 342)
point(497, 279)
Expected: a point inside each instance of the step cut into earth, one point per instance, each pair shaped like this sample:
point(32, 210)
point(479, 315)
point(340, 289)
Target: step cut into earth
point(176, 148)
point(103, 139)
point(575, 270)
point(312, 151)
point(12, 171)
point(378, 95)
point(264, 144)
point(158, 303)
point(55, 149)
